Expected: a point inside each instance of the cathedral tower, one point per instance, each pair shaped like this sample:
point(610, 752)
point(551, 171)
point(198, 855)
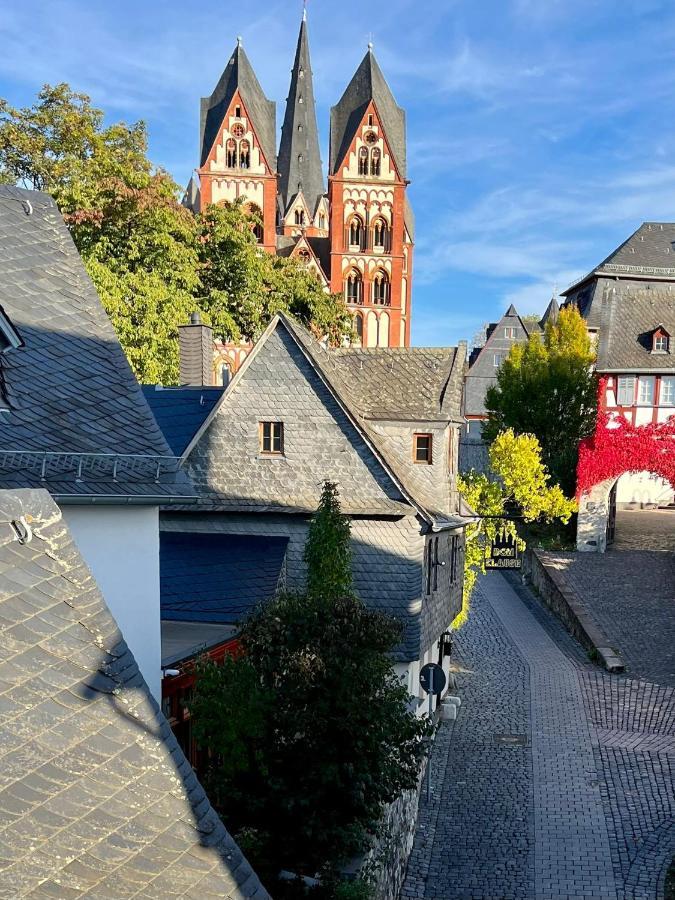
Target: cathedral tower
point(238, 145)
point(371, 224)
point(302, 202)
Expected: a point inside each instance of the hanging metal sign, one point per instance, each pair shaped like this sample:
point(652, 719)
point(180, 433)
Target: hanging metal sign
point(504, 553)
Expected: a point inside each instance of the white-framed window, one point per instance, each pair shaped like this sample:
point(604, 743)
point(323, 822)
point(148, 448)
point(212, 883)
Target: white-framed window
point(667, 393)
point(645, 394)
point(625, 395)
point(497, 360)
point(509, 332)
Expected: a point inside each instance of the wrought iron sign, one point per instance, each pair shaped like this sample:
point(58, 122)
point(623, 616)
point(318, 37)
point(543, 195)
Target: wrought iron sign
point(504, 553)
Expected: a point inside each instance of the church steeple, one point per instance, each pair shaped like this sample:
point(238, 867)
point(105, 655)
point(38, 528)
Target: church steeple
point(299, 162)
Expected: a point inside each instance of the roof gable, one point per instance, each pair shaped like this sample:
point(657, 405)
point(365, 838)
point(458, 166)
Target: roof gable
point(629, 315)
point(92, 772)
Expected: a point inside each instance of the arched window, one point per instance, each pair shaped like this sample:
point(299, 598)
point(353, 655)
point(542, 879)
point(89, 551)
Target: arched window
point(375, 157)
point(322, 221)
point(231, 154)
point(363, 161)
point(299, 217)
point(354, 288)
point(244, 155)
point(258, 232)
point(381, 289)
point(358, 328)
point(380, 235)
point(356, 232)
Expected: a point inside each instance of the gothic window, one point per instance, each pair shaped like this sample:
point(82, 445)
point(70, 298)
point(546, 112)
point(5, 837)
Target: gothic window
point(322, 221)
point(375, 158)
point(231, 154)
point(244, 155)
point(380, 235)
point(381, 289)
point(358, 328)
point(363, 161)
point(258, 232)
point(356, 232)
point(354, 288)
point(299, 217)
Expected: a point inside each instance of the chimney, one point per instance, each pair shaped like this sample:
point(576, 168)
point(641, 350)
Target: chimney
point(195, 345)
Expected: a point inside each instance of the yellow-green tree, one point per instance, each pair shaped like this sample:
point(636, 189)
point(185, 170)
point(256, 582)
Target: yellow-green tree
point(519, 484)
point(547, 388)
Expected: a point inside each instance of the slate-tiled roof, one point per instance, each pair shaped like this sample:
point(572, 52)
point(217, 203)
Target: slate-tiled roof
point(629, 313)
point(180, 411)
point(407, 383)
point(70, 388)
point(239, 75)
point(368, 84)
point(483, 373)
point(97, 799)
point(217, 578)
point(648, 253)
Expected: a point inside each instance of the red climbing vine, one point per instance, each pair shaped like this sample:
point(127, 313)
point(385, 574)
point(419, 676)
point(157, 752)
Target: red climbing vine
point(617, 446)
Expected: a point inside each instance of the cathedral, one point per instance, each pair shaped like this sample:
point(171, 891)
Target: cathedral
point(357, 236)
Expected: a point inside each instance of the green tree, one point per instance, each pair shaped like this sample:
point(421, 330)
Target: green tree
point(518, 484)
point(328, 550)
point(330, 740)
point(547, 388)
point(153, 262)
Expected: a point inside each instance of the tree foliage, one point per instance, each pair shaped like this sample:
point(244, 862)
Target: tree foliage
point(322, 737)
point(547, 388)
point(153, 262)
point(518, 484)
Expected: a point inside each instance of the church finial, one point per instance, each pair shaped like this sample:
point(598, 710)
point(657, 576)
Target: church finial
point(304, 10)
point(240, 41)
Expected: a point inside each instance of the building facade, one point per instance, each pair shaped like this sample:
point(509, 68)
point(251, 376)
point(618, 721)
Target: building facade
point(357, 233)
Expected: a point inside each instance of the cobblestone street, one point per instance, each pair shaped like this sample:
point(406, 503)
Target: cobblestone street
point(556, 780)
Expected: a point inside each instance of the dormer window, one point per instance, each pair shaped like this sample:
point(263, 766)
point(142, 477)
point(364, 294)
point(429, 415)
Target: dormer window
point(660, 340)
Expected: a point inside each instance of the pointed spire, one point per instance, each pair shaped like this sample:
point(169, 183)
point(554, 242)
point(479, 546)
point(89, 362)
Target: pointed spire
point(551, 314)
point(299, 155)
point(367, 86)
point(239, 76)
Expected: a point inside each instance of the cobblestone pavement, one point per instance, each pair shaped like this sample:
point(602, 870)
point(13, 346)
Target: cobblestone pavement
point(645, 529)
point(631, 596)
point(584, 808)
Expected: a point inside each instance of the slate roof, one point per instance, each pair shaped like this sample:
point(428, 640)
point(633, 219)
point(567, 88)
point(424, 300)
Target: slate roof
point(73, 399)
point(97, 799)
point(183, 641)
point(407, 383)
point(368, 84)
point(192, 196)
point(482, 373)
point(239, 75)
point(217, 578)
point(299, 165)
point(180, 411)
point(648, 253)
point(628, 314)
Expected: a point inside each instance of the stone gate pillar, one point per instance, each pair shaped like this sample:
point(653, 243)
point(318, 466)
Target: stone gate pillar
point(593, 517)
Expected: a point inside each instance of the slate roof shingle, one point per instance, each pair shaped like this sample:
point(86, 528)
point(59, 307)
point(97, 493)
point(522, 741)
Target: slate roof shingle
point(217, 578)
point(70, 390)
point(629, 313)
point(180, 411)
point(97, 799)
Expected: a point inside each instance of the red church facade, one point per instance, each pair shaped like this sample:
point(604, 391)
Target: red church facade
point(356, 235)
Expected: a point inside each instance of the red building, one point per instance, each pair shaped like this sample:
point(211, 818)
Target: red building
point(358, 235)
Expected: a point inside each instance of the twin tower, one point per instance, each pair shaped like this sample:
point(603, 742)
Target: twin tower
point(357, 236)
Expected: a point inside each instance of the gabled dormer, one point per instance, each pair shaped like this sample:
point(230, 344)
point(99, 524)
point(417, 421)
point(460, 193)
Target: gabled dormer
point(660, 339)
point(304, 252)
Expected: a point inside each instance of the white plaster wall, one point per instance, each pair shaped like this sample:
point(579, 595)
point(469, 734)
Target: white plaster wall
point(121, 547)
point(642, 488)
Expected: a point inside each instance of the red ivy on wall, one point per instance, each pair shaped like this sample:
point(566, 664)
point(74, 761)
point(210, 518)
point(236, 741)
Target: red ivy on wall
point(624, 447)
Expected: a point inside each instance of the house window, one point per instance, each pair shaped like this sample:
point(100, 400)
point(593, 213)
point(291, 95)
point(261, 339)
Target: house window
point(509, 332)
point(667, 394)
point(422, 448)
point(497, 360)
point(272, 438)
point(625, 395)
point(660, 343)
point(645, 395)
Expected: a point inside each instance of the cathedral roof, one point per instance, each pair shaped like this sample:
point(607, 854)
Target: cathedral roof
point(368, 84)
point(239, 75)
point(299, 164)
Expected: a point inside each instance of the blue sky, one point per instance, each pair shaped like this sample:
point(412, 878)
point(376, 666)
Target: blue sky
point(540, 132)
